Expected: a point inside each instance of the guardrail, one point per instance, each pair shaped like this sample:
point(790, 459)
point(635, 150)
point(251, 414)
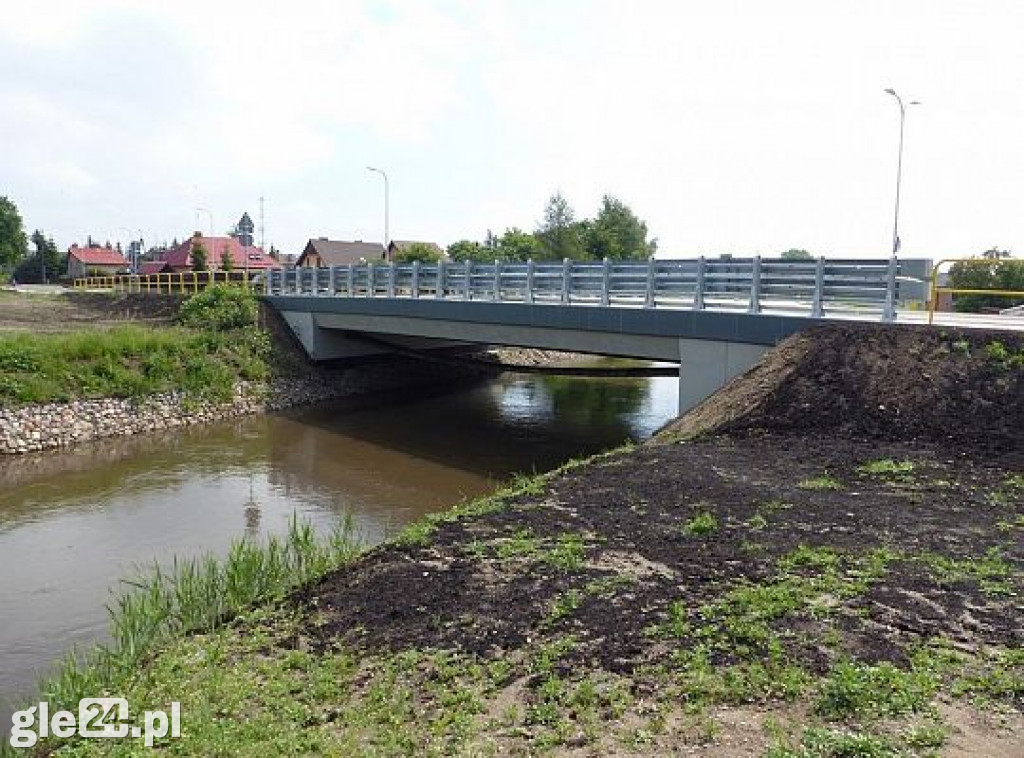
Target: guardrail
point(935, 290)
point(184, 282)
point(753, 285)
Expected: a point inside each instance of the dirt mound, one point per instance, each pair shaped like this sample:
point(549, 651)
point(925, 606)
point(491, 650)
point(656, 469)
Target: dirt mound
point(888, 382)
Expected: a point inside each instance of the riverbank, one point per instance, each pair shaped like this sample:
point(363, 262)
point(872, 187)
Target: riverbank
point(121, 365)
point(761, 592)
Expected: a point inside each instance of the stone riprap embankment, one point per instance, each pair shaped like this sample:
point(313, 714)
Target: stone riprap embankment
point(34, 428)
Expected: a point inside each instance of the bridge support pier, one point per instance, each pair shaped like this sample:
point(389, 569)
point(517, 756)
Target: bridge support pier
point(705, 366)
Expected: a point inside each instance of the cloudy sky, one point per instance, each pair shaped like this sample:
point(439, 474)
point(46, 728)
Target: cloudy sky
point(744, 126)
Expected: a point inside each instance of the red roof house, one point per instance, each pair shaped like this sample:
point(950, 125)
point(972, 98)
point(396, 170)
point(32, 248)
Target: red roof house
point(95, 261)
point(153, 267)
point(242, 257)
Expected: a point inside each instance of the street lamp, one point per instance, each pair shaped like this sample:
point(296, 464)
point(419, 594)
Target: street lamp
point(203, 210)
point(387, 237)
point(899, 170)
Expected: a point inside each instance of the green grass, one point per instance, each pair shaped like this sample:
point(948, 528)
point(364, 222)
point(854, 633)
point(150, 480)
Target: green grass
point(823, 482)
point(563, 606)
point(521, 543)
point(567, 553)
point(887, 467)
point(858, 690)
point(819, 742)
point(702, 524)
point(196, 594)
point(129, 361)
point(992, 572)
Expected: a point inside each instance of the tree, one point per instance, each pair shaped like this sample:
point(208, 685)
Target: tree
point(558, 232)
point(617, 233)
point(419, 251)
point(227, 263)
point(199, 257)
point(796, 254)
point(517, 245)
point(467, 250)
point(13, 243)
point(995, 254)
point(993, 270)
point(44, 265)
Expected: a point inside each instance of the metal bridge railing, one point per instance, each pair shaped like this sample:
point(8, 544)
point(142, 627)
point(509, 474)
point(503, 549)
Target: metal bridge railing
point(751, 285)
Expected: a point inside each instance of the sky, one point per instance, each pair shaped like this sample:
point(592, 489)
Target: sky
point(739, 127)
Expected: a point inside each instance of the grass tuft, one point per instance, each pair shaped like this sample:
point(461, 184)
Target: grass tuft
point(823, 482)
point(197, 594)
point(887, 467)
point(702, 524)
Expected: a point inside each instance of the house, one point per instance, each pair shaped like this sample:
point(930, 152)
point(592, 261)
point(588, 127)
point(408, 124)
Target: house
point(399, 246)
point(153, 267)
point(243, 257)
point(324, 252)
point(94, 260)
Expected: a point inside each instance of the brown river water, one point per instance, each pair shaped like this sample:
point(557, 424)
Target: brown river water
point(74, 523)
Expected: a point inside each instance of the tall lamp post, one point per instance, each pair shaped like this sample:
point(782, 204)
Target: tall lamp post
point(387, 236)
point(899, 170)
point(208, 214)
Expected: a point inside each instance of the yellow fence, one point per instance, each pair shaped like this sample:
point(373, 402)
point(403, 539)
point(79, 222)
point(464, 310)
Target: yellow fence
point(936, 290)
point(184, 282)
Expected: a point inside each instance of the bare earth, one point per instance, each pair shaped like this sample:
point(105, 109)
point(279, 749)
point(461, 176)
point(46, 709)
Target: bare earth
point(25, 311)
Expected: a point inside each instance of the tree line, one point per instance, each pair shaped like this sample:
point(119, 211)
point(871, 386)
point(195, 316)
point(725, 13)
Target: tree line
point(44, 263)
point(994, 269)
point(616, 232)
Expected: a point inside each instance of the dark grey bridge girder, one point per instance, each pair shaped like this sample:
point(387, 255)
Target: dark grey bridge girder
point(652, 333)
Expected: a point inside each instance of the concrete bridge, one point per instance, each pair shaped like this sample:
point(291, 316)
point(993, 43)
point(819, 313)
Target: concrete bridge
point(714, 318)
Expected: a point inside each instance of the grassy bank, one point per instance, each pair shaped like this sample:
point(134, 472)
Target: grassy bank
point(214, 344)
point(706, 598)
point(171, 603)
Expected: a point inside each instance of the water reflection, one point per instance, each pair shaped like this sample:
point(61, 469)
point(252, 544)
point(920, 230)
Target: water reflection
point(73, 523)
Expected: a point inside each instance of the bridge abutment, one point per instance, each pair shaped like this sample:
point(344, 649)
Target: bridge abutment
point(705, 366)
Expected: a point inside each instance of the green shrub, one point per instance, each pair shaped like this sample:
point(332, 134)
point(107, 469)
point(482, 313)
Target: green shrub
point(222, 307)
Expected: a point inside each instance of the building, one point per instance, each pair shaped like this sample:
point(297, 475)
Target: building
point(322, 252)
point(244, 230)
point(94, 260)
point(153, 267)
point(398, 246)
point(242, 257)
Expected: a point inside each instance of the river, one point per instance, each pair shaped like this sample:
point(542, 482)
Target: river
point(74, 523)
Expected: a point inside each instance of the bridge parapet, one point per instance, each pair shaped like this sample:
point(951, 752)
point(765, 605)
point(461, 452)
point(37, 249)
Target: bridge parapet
point(860, 287)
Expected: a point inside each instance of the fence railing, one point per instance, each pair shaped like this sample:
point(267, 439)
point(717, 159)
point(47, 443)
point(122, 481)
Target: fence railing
point(752, 285)
point(183, 282)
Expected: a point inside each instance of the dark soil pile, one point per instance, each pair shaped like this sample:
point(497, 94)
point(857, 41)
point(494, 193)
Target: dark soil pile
point(487, 586)
point(884, 382)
